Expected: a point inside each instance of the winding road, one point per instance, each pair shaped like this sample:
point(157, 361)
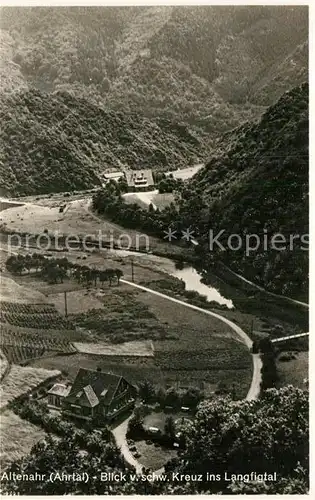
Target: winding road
point(253, 392)
point(120, 431)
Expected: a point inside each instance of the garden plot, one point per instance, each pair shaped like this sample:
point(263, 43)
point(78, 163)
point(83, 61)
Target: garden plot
point(13, 292)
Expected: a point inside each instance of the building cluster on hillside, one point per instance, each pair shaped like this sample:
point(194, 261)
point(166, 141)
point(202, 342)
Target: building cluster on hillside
point(137, 180)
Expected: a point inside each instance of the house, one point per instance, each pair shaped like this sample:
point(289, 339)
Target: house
point(98, 394)
point(139, 180)
point(56, 394)
point(112, 176)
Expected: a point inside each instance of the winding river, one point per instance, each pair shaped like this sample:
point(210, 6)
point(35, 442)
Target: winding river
point(188, 274)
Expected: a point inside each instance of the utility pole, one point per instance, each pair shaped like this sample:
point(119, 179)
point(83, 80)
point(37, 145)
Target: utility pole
point(132, 271)
point(66, 305)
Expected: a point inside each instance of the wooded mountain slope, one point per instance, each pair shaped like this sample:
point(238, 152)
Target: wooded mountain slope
point(211, 66)
point(257, 183)
point(56, 142)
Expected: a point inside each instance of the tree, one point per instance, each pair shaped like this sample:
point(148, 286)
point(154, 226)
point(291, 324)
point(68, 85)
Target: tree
point(146, 391)
point(110, 275)
point(267, 435)
point(119, 274)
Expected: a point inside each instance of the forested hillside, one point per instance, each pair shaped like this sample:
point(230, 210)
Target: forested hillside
point(57, 142)
point(257, 183)
point(213, 67)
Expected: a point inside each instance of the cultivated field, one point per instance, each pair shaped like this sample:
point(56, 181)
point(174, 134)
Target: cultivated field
point(22, 379)
point(190, 348)
point(17, 437)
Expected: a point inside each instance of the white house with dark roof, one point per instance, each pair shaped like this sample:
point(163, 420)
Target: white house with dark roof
point(139, 180)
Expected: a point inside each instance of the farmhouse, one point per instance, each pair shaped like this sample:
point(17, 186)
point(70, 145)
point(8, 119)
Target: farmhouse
point(98, 394)
point(140, 180)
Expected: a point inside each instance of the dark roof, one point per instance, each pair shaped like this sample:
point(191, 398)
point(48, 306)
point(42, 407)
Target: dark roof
point(92, 387)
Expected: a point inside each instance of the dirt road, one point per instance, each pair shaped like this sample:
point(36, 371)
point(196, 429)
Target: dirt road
point(253, 392)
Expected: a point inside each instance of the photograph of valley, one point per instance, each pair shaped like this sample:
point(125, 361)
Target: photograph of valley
point(154, 220)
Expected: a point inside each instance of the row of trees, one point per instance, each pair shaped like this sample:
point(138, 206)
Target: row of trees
point(54, 270)
point(172, 397)
point(268, 355)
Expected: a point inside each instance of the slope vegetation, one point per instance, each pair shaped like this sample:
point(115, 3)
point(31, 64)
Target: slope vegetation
point(211, 66)
point(57, 142)
point(257, 183)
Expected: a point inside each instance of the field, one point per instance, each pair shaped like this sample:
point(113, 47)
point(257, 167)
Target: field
point(11, 291)
point(31, 330)
point(190, 348)
point(77, 219)
point(17, 437)
point(78, 301)
point(158, 419)
point(135, 348)
point(143, 199)
point(185, 173)
point(22, 379)
point(295, 371)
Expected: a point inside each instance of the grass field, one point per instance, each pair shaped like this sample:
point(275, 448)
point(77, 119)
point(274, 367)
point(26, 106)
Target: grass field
point(17, 437)
point(143, 199)
point(162, 200)
point(22, 379)
point(78, 301)
point(158, 419)
point(11, 291)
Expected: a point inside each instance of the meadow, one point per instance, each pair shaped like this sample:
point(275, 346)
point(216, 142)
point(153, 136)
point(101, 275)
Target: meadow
point(22, 379)
point(17, 437)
